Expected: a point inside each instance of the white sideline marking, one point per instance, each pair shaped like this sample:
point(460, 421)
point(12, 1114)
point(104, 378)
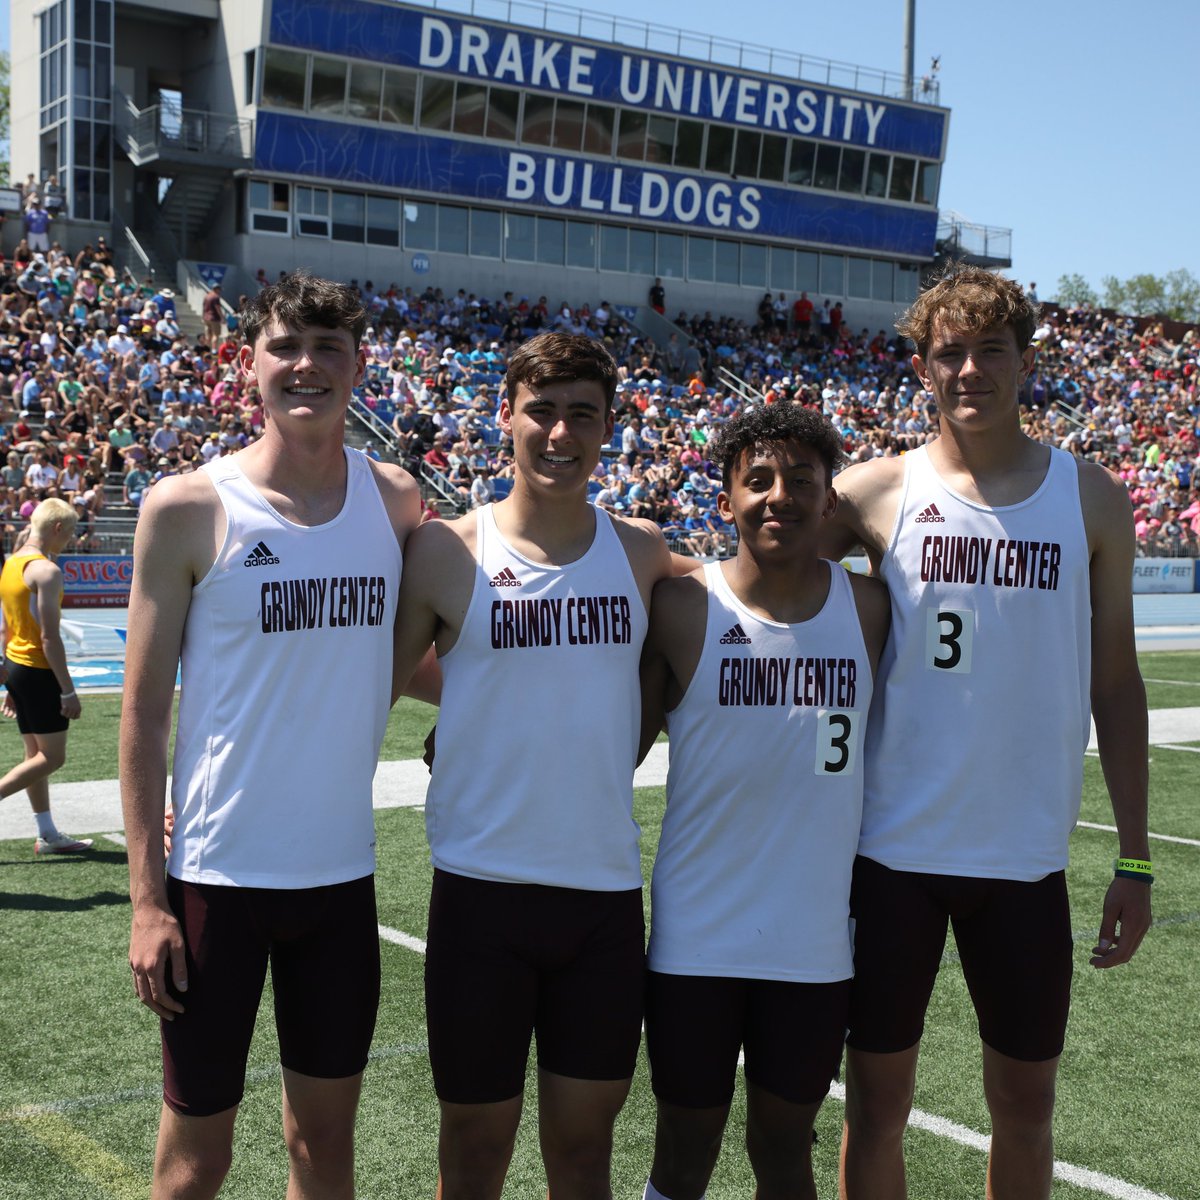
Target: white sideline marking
point(1160, 837)
point(1175, 682)
point(401, 939)
point(1189, 749)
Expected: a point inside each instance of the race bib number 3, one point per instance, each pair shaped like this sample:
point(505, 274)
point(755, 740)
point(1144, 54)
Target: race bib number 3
point(948, 636)
point(837, 743)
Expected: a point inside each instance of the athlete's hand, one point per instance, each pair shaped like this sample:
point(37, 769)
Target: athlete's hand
point(156, 942)
point(427, 757)
point(1127, 906)
point(6, 707)
point(71, 707)
point(168, 831)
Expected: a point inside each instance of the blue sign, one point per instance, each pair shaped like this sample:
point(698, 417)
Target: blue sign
point(420, 264)
point(499, 174)
point(551, 62)
point(212, 273)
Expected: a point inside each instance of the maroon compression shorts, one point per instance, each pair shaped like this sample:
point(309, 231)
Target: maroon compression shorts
point(323, 948)
point(1014, 940)
point(507, 960)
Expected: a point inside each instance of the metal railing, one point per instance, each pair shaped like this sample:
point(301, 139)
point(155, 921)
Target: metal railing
point(172, 131)
point(737, 385)
point(958, 235)
point(665, 39)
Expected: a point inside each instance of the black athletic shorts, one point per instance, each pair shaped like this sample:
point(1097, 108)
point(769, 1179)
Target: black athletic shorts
point(507, 960)
point(792, 1034)
point(1014, 940)
point(36, 697)
point(323, 947)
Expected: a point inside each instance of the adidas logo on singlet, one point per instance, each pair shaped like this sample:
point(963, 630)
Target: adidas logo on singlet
point(505, 578)
point(260, 556)
point(735, 637)
point(930, 515)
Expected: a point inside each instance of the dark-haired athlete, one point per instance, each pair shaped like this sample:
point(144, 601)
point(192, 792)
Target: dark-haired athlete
point(765, 664)
point(1009, 568)
point(275, 574)
point(538, 607)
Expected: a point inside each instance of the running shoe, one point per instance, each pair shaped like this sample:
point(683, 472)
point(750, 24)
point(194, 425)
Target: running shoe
point(61, 844)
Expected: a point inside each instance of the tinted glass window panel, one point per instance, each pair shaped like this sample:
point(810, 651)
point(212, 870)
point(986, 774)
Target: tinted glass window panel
point(754, 265)
point(808, 271)
point(631, 135)
point(907, 279)
point(783, 268)
point(745, 159)
point(700, 259)
point(518, 237)
point(854, 164)
point(363, 100)
point(568, 124)
point(903, 173)
point(598, 132)
point(399, 97)
point(485, 233)
point(283, 78)
point(774, 156)
point(437, 102)
point(671, 247)
point(833, 274)
point(470, 109)
point(882, 274)
point(537, 125)
point(927, 183)
point(689, 144)
point(726, 266)
point(858, 281)
point(551, 239)
point(877, 174)
point(453, 227)
point(420, 225)
point(614, 248)
point(383, 221)
point(641, 252)
point(825, 174)
point(503, 106)
point(349, 216)
point(718, 154)
point(660, 140)
point(327, 91)
point(581, 244)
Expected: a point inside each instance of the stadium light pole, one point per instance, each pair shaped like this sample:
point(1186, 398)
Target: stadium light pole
point(910, 24)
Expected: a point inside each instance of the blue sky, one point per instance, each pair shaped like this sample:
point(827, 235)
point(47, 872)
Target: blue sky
point(1072, 124)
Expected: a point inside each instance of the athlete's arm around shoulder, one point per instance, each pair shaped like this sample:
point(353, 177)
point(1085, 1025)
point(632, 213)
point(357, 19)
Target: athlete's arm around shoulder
point(646, 549)
point(868, 494)
point(435, 593)
point(874, 614)
point(401, 497)
point(179, 532)
point(1118, 702)
point(674, 643)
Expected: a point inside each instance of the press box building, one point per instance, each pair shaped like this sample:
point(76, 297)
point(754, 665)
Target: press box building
point(576, 156)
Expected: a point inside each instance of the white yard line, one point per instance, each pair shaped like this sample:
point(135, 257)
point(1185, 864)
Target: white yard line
point(1158, 837)
point(397, 938)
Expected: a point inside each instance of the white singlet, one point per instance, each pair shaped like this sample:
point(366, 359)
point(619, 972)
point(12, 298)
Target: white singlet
point(764, 795)
point(538, 728)
point(975, 747)
point(287, 656)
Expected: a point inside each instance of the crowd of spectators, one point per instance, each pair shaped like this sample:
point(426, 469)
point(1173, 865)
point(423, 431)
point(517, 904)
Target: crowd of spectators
point(98, 385)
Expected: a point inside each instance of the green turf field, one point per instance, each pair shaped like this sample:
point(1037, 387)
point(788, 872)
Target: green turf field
point(80, 1070)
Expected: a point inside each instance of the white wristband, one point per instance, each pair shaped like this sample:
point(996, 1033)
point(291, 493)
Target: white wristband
point(67, 696)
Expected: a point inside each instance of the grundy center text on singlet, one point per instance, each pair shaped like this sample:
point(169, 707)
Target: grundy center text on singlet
point(999, 562)
point(337, 601)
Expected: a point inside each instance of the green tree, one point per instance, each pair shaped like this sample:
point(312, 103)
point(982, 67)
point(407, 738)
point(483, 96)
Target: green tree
point(1075, 292)
point(1113, 293)
point(1182, 290)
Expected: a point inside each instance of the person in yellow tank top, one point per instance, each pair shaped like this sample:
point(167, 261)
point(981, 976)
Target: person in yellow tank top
point(40, 692)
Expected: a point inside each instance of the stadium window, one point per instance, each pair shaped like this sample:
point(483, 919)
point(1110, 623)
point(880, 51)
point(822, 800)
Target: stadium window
point(858, 283)
point(700, 259)
point(882, 276)
point(504, 106)
point(800, 162)
point(349, 216)
point(470, 108)
point(783, 268)
point(519, 238)
point(808, 271)
point(726, 266)
point(631, 134)
point(660, 140)
point(671, 247)
point(362, 99)
point(568, 125)
point(83, 19)
point(825, 173)
point(754, 265)
point(927, 183)
point(850, 178)
point(833, 274)
point(327, 88)
point(641, 252)
point(537, 121)
point(312, 212)
point(689, 144)
point(101, 209)
point(551, 238)
point(745, 158)
point(453, 228)
point(598, 130)
point(437, 102)
point(485, 233)
point(420, 225)
point(908, 279)
point(903, 171)
point(249, 65)
point(581, 244)
point(399, 97)
point(718, 152)
point(284, 75)
point(270, 207)
point(383, 221)
point(877, 174)
point(103, 22)
point(774, 156)
point(614, 248)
